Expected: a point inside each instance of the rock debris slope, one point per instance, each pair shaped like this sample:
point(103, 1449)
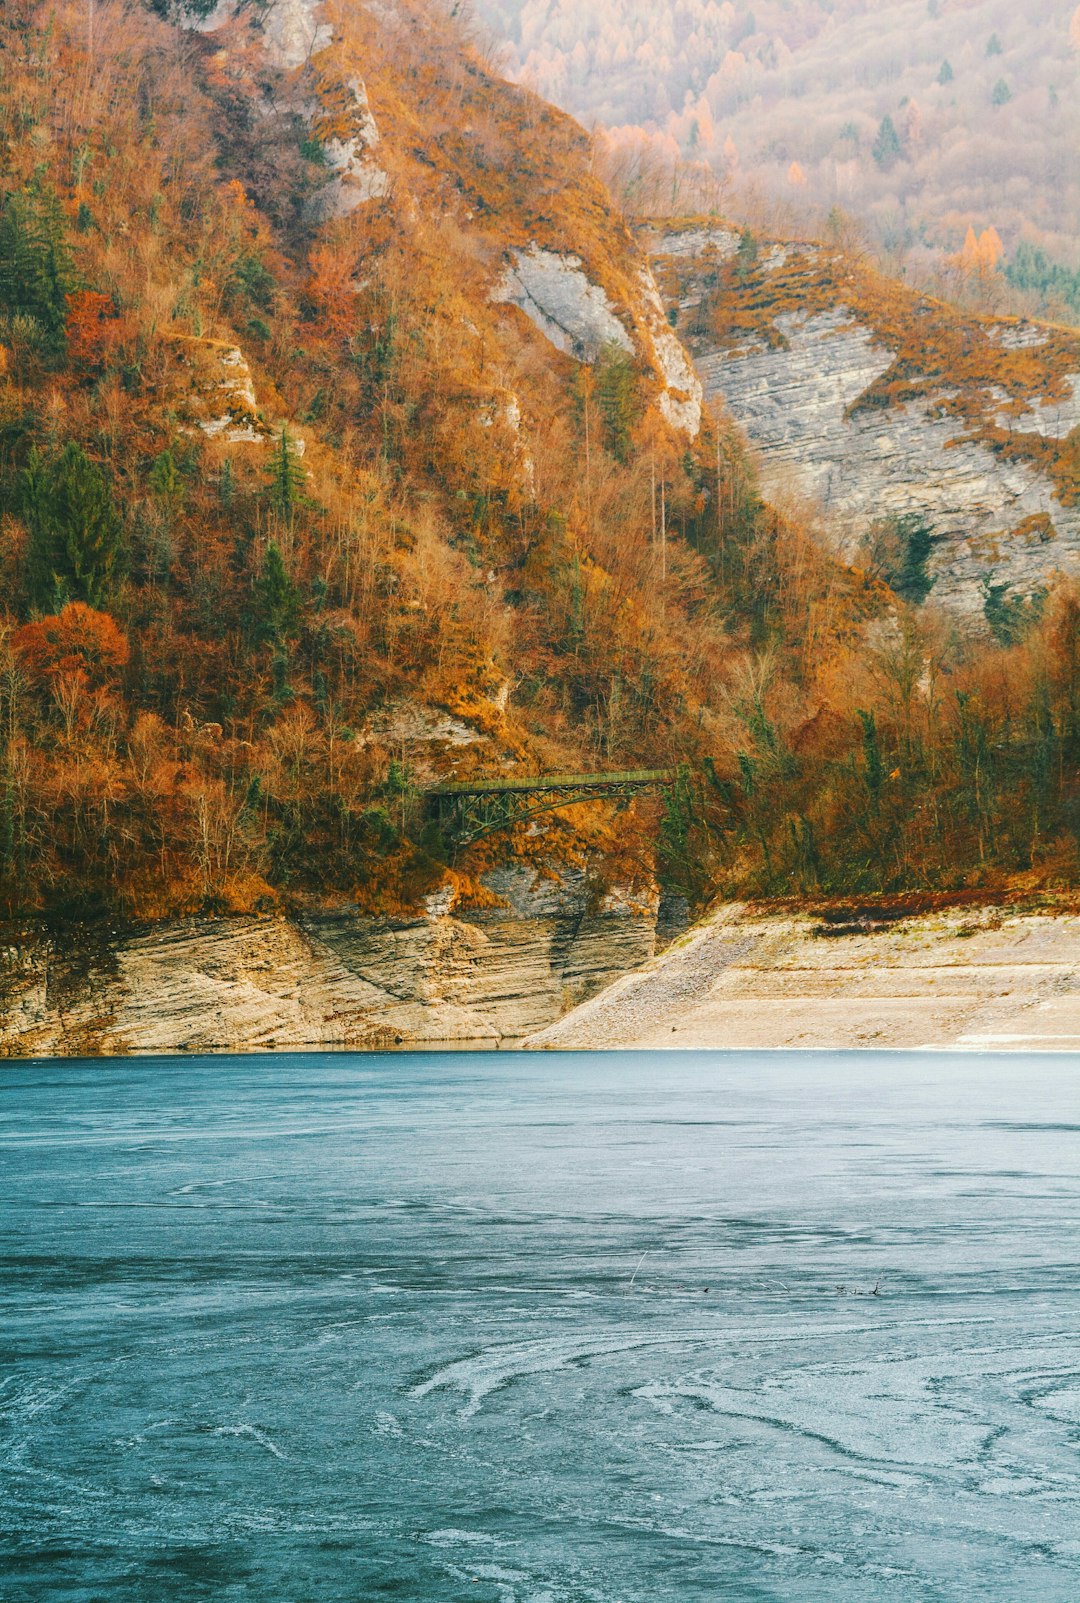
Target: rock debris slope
point(979, 979)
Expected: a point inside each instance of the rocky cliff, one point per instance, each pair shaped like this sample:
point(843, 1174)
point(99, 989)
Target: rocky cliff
point(884, 404)
point(329, 980)
point(335, 69)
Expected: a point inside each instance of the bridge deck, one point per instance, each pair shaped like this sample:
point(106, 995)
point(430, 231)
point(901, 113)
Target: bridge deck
point(542, 782)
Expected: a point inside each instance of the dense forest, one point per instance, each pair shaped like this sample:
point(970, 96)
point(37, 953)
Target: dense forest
point(918, 118)
point(420, 540)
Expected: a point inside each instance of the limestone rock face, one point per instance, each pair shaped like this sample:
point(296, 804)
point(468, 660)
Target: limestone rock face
point(811, 392)
point(555, 293)
point(219, 395)
point(557, 296)
point(297, 39)
point(338, 980)
point(968, 979)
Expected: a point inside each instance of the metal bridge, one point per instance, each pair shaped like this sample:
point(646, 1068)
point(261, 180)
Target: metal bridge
point(470, 809)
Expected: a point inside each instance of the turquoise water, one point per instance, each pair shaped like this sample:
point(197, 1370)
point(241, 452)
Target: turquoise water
point(541, 1329)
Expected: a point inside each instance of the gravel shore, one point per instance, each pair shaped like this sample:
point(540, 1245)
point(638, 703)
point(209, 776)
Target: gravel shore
point(980, 979)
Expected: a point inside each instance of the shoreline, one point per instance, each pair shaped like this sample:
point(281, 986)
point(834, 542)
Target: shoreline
point(963, 979)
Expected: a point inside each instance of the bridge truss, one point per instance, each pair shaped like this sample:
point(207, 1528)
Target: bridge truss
point(470, 809)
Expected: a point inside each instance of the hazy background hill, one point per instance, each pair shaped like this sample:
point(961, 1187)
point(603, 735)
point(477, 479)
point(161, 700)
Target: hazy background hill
point(787, 103)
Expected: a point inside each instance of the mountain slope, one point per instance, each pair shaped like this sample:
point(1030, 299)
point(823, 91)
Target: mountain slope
point(788, 102)
point(345, 444)
point(886, 405)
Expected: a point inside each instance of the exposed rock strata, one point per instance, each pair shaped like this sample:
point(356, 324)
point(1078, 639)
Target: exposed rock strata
point(795, 395)
point(329, 981)
point(298, 39)
point(979, 979)
point(219, 397)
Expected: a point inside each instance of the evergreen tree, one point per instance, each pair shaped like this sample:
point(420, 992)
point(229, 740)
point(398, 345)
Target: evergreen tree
point(746, 255)
point(898, 551)
point(873, 762)
point(887, 149)
point(1002, 93)
point(277, 600)
point(994, 46)
point(36, 273)
point(166, 483)
point(1032, 269)
point(285, 480)
point(75, 548)
point(946, 74)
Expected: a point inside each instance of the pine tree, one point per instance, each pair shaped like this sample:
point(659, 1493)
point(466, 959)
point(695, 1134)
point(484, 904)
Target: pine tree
point(1002, 93)
point(887, 148)
point(746, 255)
point(277, 600)
point(75, 550)
point(166, 483)
point(36, 273)
point(946, 74)
point(286, 480)
point(617, 398)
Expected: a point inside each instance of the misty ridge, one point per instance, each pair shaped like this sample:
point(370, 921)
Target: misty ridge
point(919, 118)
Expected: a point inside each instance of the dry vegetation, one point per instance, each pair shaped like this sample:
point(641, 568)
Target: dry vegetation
point(987, 373)
point(215, 652)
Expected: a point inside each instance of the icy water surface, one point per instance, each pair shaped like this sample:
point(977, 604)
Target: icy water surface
point(541, 1329)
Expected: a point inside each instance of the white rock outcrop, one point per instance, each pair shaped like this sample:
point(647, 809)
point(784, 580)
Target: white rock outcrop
point(682, 396)
point(993, 518)
point(294, 36)
point(576, 315)
point(555, 292)
point(219, 398)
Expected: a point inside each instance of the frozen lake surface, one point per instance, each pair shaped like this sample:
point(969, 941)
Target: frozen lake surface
point(541, 1329)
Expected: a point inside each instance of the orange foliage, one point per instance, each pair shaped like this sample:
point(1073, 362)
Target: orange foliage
point(92, 326)
point(460, 536)
point(75, 642)
point(980, 253)
point(332, 288)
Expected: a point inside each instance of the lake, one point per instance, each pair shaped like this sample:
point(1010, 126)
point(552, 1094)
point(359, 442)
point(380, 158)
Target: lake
point(582, 1328)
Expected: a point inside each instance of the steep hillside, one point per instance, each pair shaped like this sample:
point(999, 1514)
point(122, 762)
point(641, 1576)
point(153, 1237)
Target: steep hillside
point(888, 406)
point(345, 444)
point(917, 116)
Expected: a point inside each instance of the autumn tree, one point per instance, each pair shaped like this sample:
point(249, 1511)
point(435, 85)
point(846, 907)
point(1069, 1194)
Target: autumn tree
point(91, 326)
point(75, 549)
point(76, 641)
